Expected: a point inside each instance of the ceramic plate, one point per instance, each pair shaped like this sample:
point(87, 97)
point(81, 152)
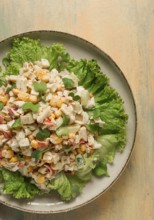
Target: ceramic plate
point(79, 48)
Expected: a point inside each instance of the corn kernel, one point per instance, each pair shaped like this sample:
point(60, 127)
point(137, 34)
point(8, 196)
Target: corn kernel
point(34, 144)
point(4, 99)
point(40, 179)
point(39, 75)
point(82, 147)
point(53, 104)
point(59, 103)
point(32, 98)
point(45, 78)
point(14, 159)
point(71, 136)
point(58, 113)
point(23, 96)
point(15, 91)
point(7, 153)
point(31, 137)
point(52, 116)
point(55, 139)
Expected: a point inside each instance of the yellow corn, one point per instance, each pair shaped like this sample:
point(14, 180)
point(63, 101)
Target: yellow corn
point(39, 74)
point(45, 78)
point(14, 159)
point(4, 99)
point(56, 139)
point(34, 144)
point(23, 96)
point(32, 98)
point(31, 137)
point(16, 91)
point(52, 116)
point(59, 103)
point(58, 113)
point(40, 179)
point(7, 153)
point(53, 104)
point(82, 147)
point(71, 135)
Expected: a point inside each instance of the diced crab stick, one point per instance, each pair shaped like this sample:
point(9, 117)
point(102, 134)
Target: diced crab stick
point(7, 134)
point(42, 144)
point(48, 122)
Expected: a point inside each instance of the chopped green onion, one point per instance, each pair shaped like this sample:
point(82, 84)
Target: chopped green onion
point(43, 134)
point(30, 106)
point(37, 154)
point(66, 120)
point(68, 83)
point(75, 97)
point(17, 123)
point(40, 87)
point(1, 105)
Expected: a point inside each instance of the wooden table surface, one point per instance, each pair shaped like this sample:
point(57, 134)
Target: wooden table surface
point(125, 30)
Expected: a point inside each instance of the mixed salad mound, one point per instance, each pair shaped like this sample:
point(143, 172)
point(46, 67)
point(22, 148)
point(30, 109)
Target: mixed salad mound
point(60, 121)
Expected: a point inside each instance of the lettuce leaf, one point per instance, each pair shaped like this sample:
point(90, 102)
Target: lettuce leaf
point(68, 186)
point(110, 144)
point(84, 172)
point(89, 74)
point(29, 50)
point(62, 185)
point(76, 185)
point(17, 185)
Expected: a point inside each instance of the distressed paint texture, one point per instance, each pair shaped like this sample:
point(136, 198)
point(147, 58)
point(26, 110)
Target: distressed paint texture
point(125, 30)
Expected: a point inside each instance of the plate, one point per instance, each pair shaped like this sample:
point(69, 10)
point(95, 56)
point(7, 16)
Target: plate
point(79, 48)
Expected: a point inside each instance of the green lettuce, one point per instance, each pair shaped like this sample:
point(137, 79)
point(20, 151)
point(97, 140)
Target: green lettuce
point(29, 50)
point(17, 185)
point(85, 171)
point(110, 144)
point(68, 186)
point(89, 74)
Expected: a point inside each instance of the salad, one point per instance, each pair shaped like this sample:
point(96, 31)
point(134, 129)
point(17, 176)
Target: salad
point(61, 122)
